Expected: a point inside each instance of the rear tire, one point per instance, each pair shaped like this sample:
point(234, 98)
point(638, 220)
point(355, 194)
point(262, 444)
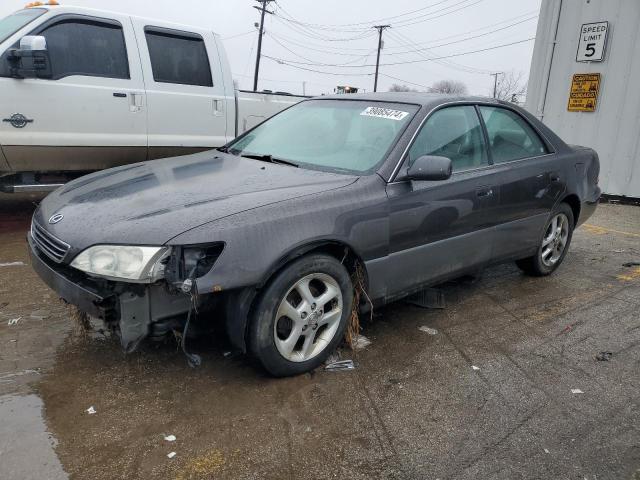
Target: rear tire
point(301, 315)
point(554, 243)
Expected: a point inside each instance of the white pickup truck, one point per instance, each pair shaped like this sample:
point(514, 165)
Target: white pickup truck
point(82, 90)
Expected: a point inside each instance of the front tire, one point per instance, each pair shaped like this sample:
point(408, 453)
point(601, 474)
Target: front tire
point(301, 315)
point(554, 244)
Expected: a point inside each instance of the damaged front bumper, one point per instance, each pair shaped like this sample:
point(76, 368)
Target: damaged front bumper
point(138, 310)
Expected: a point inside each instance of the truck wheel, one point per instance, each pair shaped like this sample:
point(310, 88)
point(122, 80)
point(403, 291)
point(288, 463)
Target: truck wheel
point(301, 315)
point(553, 245)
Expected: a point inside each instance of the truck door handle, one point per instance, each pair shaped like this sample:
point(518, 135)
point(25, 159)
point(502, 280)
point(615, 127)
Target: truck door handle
point(119, 95)
point(484, 192)
point(135, 105)
point(218, 106)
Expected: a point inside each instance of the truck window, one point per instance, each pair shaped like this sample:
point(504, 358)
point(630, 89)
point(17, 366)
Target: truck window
point(178, 57)
point(11, 24)
point(87, 47)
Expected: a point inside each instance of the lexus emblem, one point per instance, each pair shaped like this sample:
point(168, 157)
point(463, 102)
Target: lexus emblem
point(55, 218)
point(17, 120)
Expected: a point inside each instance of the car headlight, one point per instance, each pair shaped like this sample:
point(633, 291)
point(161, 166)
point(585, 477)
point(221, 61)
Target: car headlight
point(120, 262)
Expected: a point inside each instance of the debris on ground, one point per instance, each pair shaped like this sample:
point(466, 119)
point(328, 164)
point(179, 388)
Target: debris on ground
point(170, 438)
point(474, 367)
point(334, 357)
point(14, 321)
point(171, 454)
point(91, 410)
point(576, 390)
point(631, 264)
point(546, 451)
point(428, 298)
point(340, 365)
point(429, 330)
point(604, 356)
point(12, 264)
point(360, 342)
point(359, 291)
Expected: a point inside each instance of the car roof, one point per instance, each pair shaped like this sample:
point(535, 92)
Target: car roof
point(418, 98)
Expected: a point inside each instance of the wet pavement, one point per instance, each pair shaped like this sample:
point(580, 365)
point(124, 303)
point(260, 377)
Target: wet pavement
point(489, 395)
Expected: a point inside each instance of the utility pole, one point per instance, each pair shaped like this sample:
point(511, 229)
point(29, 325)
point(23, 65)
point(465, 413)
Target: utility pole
point(304, 88)
point(380, 29)
point(495, 82)
point(263, 10)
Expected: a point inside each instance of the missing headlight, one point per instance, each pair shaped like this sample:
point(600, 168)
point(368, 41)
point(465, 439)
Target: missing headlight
point(192, 261)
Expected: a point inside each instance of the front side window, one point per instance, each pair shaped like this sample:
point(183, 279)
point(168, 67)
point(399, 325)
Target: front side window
point(455, 133)
point(510, 136)
point(87, 47)
point(350, 136)
point(11, 24)
point(178, 58)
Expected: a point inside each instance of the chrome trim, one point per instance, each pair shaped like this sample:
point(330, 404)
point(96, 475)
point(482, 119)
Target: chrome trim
point(49, 244)
point(548, 144)
point(38, 187)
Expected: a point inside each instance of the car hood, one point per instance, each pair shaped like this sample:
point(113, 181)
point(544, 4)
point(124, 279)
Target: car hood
point(151, 202)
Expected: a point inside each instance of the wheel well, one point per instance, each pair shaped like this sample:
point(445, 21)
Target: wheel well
point(574, 202)
point(340, 251)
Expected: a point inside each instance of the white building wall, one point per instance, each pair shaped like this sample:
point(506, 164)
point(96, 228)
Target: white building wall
point(613, 130)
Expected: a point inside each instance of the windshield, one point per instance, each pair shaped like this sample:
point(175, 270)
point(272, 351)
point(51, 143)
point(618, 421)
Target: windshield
point(336, 135)
point(11, 24)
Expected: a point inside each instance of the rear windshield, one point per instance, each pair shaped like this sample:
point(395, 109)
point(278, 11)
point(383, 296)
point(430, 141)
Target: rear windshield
point(349, 136)
point(11, 24)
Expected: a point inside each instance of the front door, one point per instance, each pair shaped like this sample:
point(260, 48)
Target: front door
point(90, 114)
point(440, 228)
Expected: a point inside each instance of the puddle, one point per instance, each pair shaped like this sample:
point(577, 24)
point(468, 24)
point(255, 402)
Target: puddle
point(26, 449)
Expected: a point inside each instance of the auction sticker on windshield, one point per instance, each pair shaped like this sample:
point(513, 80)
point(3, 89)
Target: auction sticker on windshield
point(384, 113)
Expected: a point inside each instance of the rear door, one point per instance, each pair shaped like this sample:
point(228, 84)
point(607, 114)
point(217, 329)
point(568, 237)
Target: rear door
point(438, 228)
point(187, 106)
point(91, 113)
point(530, 180)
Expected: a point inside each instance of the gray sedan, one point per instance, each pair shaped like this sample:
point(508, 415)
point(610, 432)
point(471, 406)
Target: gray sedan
point(269, 232)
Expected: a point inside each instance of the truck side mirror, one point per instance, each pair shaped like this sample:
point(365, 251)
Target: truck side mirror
point(31, 60)
point(430, 167)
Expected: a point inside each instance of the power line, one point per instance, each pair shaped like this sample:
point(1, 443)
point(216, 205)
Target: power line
point(460, 54)
point(238, 35)
point(343, 49)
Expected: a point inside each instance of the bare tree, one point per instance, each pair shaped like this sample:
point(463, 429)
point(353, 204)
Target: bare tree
point(511, 87)
point(401, 88)
point(451, 87)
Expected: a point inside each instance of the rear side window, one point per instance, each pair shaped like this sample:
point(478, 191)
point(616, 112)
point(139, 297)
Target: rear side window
point(90, 48)
point(455, 133)
point(178, 58)
point(510, 136)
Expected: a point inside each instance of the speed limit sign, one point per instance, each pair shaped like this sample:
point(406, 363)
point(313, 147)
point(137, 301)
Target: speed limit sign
point(593, 41)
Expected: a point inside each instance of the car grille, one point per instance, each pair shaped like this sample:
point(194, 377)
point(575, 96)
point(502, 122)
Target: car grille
point(51, 246)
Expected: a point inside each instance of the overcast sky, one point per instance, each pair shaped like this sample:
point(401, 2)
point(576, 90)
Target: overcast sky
point(336, 37)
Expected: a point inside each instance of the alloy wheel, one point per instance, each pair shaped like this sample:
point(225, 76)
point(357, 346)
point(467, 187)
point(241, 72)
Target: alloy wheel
point(308, 317)
point(555, 240)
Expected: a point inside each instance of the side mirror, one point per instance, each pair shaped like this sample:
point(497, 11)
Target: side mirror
point(430, 167)
point(31, 60)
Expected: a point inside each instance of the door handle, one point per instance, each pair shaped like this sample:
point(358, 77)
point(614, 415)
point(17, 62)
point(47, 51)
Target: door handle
point(218, 106)
point(554, 177)
point(119, 95)
point(136, 102)
point(484, 192)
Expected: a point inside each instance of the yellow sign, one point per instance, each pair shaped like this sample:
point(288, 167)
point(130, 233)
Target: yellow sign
point(584, 92)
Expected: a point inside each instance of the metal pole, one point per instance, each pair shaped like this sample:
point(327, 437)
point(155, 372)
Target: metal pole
point(495, 82)
point(380, 29)
point(263, 10)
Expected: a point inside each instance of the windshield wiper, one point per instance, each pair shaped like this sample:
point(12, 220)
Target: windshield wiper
point(270, 159)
